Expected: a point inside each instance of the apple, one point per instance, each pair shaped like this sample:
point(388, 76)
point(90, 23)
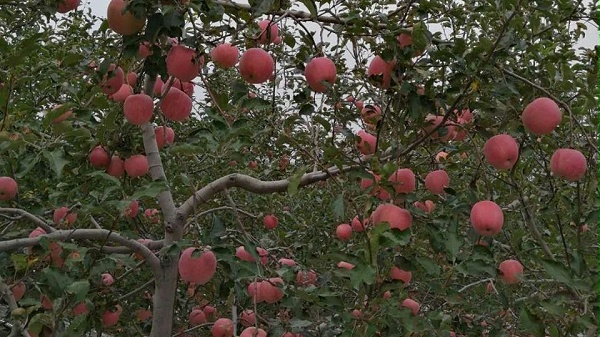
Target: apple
point(121, 95)
point(383, 68)
point(99, 158)
point(138, 109)
point(112, 80)
point(377, 191)
point(290, 334)
point(18, 290)
point(242, 254)
point(541, 116)
point(209, 311)
point(287, 262)
point(357, 225)
point(441, 155)
point(269, 36)
point(131, 211)
point(164, 136)
point(401, 275)
point(256, 66)
point(501, 151)
point(111, 318)
point(404, 40)
point(225, 55)
point(107, 279)
point(428, 206)
point(413, 305)
point(357, 314)
point(371, 114)
point(131, 78)
point(152, 215)
point(253, 332)
point(183, 63)
point(487, 218)
point(343, 232)
point(436, 181)
point(197, 268)
point(143, 315)
point(403, 180)
point(37, 232)
point(197, 317)
point(136, 165)
point(445, 133)
point(397, 217)
point(306, 278)
point(46, 303)
point(62, 214)
point(387, 295)
point(8, 188)
point(80, 309)
point(271, 291)
point(345, 265)
point(248, 318)
point(65, 6)
point(319, 70)
point(116, 167)
point(511, 271)
point(176, 105)
point(568, 164)
point(223, 327)
point(270, 221)
point(121, 21)
point(366, 142)
point(56, 254)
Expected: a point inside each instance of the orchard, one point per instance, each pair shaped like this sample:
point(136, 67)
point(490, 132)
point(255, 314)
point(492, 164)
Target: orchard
point(296, 169)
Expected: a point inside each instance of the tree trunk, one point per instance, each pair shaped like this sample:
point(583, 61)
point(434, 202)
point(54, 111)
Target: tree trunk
point(165, 288)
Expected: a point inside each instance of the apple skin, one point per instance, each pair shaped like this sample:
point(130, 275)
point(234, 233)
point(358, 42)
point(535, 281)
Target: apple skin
point(541, 116)
point(413, 305)
point(8, 188)
point(225, 55)
point(501, 151)
point(400, 275)
point(568, 164)
point(343, 232)
point(123, 23)
point(511, 271)
point(320, 69)
point(223, 327)
point(256, 66)
point(270, 221)
point(436, 181)
point(487, 218)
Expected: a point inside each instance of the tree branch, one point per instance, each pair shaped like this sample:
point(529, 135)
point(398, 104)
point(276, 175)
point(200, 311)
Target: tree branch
point(84, 234)
point(39, 222)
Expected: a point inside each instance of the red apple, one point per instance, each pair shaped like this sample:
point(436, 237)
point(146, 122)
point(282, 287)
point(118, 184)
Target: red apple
point(138, 109)
point(225, 55)
point(568, 164)
point(400, 275)
point(318, 70)
point(306, 278)
point(131, 210)
point(487, 218)
point(397, 217)
point(253, 332)
point(382, 68)
point(366, 143)
point(111, 318)
point(436, 181)
point(176, 105)
point(164, 136)
point(116, 167)
point(121, 95)
point(511, 271)
point(343, 232)
point(269, 32)
point(287, 262)
point(99, 157)
point(113, 79)
point(248, 317)
point(357, 225)
point(107, 279)
point(414, 306)
point(197, 268)
point(541, 116)
point(345, 265)
point(403, 181)
point(270, 221)
point(256, 66)
point(183, 63)
point(197, 317)
point(121, 21)
point(8, 188)
point(136, 165)
point(65, 6)
point(223, 327)
point(18, 290)
point(501, 151)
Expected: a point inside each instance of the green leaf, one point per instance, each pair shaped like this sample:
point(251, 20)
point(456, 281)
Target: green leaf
point(431, 266)
point(79, 289)
point(530, 323)
point(295, 181)
point(56, 161)
point(557, 271)
point(338, 207)
point(151, 190)
point(114, 181)
point(56, 280)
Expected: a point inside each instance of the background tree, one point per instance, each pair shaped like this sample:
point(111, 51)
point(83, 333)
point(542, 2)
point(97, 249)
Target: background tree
point(152, 187)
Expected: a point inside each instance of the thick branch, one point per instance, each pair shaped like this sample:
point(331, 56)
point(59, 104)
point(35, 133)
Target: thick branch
point(39, 222)
point(254, 185)
point(84, 234)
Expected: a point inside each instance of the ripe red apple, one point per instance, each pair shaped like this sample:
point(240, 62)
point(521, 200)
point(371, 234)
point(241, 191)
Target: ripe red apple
point(269, 32)
point(121, 21)
point(255, 291)
point(152, 215)
point(131, 79)
point(223, 327)
point(568, 164)
point(176, 105)
point(414, 306)
point(306, 278)
point(271, 290)
point(65, 6)
point(143, 315)
point(436, 181)
point(501, 151)
point(511, 271)
point(197, 268)
point(136, 165)
point(116, 167)
point(242, 254)
point(357, 225)
point(397, 217)
point(56, 254)
point(145, 49)
point(99, 157)
point(225, 55)
point(253, 332)
point(287, 262)
point(487, 218)
point(541, 116)
point(248, 317)
point(404, 40)
point(18, 290)
point(164, 135)
point(318, 70)
point(366, 143)
point(111, 318)
point(270, 221)
point(183, 63)
point(377, 191)
point(383, 68)
point(356, 313)
point(46, 303)
point(107, 279)
point(8, 188)
point(61, 215)
point(343, 232)
point(401, 275)
point(371, 114)
point(290, 334)
point(209, 311)
point(113, 79)
point(441, 156)
point(121, 95)
point(345, 265)
point(445, 133)
point(428, 206)
point(256, 66)
point(387, 295)
point(37, 232)
point(403, 180)
point(197, 317)
point(80, 309)
point(138, 109)
point(131, 211)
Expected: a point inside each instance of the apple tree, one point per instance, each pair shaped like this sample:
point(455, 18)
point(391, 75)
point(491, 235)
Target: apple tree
point(220, 168)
